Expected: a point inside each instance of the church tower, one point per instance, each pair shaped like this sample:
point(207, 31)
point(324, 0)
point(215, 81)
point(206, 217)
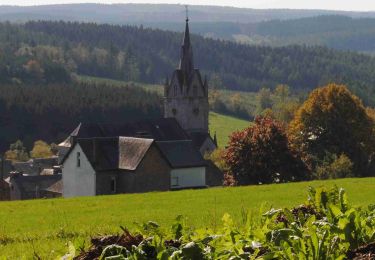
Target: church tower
point(186, 94)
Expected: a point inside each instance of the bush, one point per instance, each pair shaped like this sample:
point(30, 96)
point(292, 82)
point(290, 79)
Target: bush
point(334, 167)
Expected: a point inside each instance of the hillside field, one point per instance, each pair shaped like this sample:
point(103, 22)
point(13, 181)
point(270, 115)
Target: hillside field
point(224, 125)
point(43, 227)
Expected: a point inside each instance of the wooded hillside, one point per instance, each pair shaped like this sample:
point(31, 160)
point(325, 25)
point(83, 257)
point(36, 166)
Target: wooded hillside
point(51, 112)
point(146, 55)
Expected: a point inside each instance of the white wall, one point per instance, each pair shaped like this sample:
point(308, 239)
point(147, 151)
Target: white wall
point(78, 181)
point(188, 177)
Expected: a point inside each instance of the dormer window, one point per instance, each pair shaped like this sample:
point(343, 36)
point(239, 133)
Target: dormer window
point(78, 159)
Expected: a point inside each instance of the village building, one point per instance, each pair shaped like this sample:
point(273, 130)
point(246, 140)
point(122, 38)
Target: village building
point(35, 166)
point(4, 190)
point(147, 155)
point(23, 187)
point(97, 166)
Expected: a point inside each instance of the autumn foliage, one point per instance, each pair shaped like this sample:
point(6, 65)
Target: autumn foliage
point(333, 121)
point(260, 154)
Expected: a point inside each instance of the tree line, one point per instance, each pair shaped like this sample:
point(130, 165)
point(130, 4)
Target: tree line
point(50, 112)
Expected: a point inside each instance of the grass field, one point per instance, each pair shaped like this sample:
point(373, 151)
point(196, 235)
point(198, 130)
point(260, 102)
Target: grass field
point(44, 227)
point(224, 125)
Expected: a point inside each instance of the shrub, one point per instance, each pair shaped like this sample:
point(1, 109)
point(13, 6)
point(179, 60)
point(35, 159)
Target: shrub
point(334, 167)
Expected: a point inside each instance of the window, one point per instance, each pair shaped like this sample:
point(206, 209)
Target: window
point(113, 184)
point(174, 111)
point(78, 159)
point(174, 182)
point(175, 90)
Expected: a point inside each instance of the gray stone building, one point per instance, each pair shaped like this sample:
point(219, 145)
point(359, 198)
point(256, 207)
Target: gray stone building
point(186, 98)
point(111, 165)
point(23, 187)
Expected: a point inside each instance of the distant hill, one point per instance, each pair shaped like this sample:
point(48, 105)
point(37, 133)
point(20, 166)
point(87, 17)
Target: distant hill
point(40, 52)
point(157, 13)
point(335, 31)
point(275, 27)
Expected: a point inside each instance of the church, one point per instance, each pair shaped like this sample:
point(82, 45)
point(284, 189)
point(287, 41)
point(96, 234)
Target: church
point(147, 155)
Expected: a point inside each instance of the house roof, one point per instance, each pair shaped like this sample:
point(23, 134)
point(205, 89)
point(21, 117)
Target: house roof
point(162, 129)
point(198, 138)
point(35, 166)
point(29, 184)
point(132, 151)
point(181, 154)
point(126, 153)
point(111, 153)
point(55, 187)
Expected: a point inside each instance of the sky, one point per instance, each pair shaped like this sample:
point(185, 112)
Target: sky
point(348, 5)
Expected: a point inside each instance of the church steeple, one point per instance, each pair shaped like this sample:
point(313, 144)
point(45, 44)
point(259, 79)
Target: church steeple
point(186, 60)
point(185, 94)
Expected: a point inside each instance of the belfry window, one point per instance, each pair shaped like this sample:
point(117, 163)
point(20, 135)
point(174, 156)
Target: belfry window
point(175, 90)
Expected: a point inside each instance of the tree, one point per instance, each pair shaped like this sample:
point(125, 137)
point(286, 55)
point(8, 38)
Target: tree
point(260, 154)
point(41, 150)
point(334, 167)
point(264, 100)
point(333, 120)
point(282, 92)
point(17, 152)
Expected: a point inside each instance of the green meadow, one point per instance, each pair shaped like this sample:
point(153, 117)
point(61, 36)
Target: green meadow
point(224, 125)
point(42, 228)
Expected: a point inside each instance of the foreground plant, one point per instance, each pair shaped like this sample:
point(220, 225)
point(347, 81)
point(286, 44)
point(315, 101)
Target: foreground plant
point(325, 227)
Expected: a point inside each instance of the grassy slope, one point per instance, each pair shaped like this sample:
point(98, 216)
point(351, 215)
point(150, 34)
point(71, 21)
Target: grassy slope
point(43, 226)
point(224, 125)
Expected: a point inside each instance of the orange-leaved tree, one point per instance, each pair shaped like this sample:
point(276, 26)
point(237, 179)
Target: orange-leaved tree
point(260, 154)
point(333, 121)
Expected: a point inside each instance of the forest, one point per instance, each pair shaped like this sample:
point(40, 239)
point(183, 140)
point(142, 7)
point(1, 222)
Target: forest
point(334, 31)
point(50, 112)
point(48, 52)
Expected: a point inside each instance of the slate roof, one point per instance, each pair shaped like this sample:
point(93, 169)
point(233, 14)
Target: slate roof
point(28, 184)
point(126, 153)
point(198, 138)
point(56, 187)
point(162, 129)
point(35, 166)
point(115, 153)
point(181, 154)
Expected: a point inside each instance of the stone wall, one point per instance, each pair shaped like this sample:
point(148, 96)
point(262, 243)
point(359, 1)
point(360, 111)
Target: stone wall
point(153, 174)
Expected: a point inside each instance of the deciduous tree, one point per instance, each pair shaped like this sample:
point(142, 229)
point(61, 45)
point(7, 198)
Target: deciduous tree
point(260, 154)
point(333, 120)
point(41, 150)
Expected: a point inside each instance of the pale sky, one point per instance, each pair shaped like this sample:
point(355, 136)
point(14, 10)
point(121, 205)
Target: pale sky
point(349, 5)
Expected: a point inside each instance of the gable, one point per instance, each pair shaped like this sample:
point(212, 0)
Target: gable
point(196, 87)
point(70, 161)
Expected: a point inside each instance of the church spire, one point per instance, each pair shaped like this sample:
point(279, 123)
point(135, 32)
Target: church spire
point(186, 61)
